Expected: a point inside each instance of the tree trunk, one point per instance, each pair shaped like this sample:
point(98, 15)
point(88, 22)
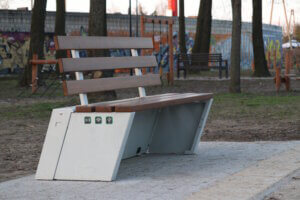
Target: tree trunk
point(260, 62)
point(98, 27)
point(182, 44)
point(203, 31)
point(60, 25)
point(37, 35)
point(235, 82)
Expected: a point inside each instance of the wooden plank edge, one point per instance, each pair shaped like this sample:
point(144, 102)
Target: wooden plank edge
point(65, 88)
point(121, 108)
point(61, 67)
point(84, 109)
point(56, 44)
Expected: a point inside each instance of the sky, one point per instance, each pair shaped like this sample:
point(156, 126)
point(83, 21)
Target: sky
point(221, 8)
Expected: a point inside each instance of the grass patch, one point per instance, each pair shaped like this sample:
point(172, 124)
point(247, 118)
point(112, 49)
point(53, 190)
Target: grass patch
point(34, 111)
point(256, 106)
point(10, 89)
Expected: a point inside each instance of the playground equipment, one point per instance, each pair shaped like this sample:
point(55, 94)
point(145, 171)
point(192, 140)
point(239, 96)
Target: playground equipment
point(286, 78)
point(169, 24)
point(34, 64)
point(88, 142)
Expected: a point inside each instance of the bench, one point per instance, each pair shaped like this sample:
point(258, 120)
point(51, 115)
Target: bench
point(201, 61)
point(88, 141)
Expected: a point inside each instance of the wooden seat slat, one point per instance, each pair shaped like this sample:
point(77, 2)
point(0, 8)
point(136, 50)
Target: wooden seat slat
point(96, 42)
point(108, 106)
point(107, 84)
point(162, 102)
point(145, 100)
point(105, 63)
point(149, 102)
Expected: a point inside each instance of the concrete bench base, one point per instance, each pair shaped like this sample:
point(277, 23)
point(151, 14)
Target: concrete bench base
point(90, 146)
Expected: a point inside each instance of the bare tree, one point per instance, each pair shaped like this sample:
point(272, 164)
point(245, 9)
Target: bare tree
point(142, 10)
point(98, 27)
point(182, 27)
point(203, 31)
point(37, 35)
point(235, 82)
point(260, 62)
point(297, 32)
point(4, 4)
point(161, 8)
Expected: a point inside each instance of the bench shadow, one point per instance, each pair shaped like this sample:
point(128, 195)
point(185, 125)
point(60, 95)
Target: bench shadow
point(210, 159)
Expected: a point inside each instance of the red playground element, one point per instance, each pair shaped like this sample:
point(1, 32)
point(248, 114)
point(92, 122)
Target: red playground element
point(172, 5)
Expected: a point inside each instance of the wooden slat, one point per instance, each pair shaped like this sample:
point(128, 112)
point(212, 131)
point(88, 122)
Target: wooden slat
point(149, 102)
point(144, 104)
point(107, 84)
point(104, 63)
point(43, 62)
point(109, 106)
point(94, 42)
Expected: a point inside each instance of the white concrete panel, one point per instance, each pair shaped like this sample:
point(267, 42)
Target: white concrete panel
point(93, 151)
point(53, 143)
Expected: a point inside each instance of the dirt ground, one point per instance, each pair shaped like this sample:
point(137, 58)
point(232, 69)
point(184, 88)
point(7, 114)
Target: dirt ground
point(247, 117)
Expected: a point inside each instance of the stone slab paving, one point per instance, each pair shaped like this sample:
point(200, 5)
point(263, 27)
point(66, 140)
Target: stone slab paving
point(156, 176)
point(256, 181)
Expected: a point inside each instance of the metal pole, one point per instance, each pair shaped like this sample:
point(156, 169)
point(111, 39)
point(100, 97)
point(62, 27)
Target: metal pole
point(271, 12)
point(287, 24)
point(129, 12)
point(137, 20)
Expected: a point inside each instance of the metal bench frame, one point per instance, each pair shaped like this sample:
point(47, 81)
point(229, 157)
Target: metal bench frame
point(90, 145)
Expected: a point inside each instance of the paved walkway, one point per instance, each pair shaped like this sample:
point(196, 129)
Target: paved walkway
point(165, 176)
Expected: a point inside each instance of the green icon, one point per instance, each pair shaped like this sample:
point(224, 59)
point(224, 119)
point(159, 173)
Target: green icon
point(98, 120)
point(87, 120)
point(109, 120)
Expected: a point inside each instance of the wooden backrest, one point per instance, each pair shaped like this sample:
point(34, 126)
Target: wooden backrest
point(97, 42)
point(201, 57)
point(79, 65)
point(206, 57)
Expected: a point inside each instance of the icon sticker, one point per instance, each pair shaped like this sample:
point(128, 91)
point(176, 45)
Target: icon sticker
point(109, 120)
point(87, 120)
point(98, 120)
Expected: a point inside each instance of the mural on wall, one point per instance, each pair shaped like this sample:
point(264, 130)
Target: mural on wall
point(14, 48)
point(274, 46)
point(13, 51)
point(221, 43)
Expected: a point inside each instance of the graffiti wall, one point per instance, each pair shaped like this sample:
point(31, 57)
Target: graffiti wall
point(221, 43)
point(15, 28)
point(14, 50)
